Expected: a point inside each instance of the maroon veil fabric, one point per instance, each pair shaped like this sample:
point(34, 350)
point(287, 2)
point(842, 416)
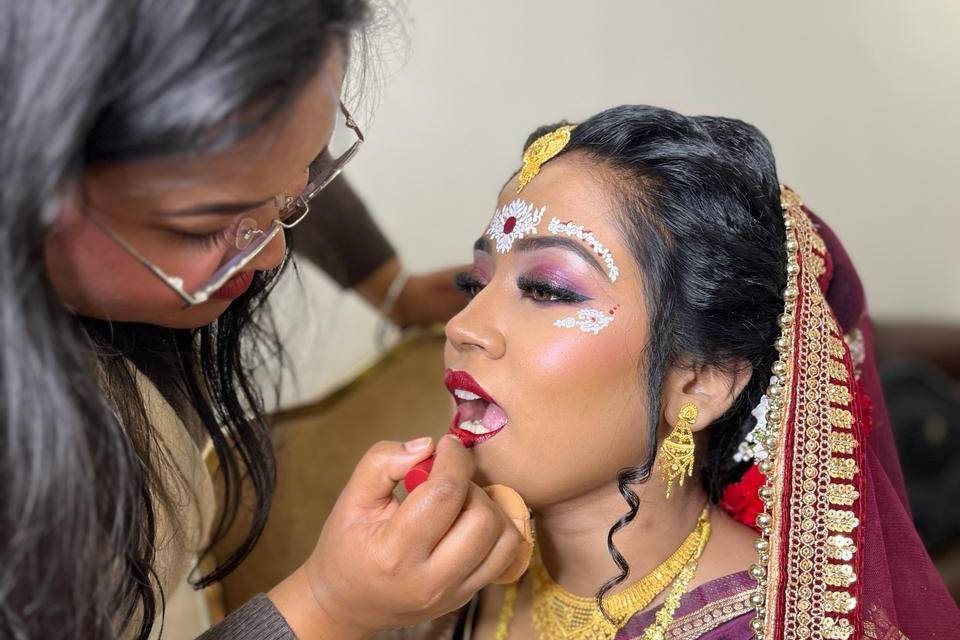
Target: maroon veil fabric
point(900, 587)
point(841, 557)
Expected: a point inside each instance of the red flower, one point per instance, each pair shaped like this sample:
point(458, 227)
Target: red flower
point(742, 499)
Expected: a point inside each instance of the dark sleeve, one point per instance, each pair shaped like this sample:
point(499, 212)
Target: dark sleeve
point(258, 619)
point(340, 237)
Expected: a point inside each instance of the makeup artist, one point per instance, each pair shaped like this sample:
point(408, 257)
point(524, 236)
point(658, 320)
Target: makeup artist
point(154, 157)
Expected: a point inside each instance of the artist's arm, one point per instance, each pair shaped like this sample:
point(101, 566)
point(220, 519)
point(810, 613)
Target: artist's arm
point(341, 237)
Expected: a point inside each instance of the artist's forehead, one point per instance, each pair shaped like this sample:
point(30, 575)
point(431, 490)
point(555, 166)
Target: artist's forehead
point(569, 190)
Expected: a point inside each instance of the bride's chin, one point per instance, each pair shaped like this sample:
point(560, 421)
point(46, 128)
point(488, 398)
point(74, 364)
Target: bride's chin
point(484, 476)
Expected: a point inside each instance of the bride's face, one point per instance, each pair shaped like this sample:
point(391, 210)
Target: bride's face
point(552, 341)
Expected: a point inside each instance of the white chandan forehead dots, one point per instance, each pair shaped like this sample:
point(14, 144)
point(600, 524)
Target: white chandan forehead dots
point(519, 218)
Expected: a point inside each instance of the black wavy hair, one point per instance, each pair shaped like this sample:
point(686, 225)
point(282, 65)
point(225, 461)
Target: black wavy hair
point(699, 205)
point(87, 84)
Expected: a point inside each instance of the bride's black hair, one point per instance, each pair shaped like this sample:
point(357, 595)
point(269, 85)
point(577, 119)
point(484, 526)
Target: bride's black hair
point(86, 84)
point(700, 209)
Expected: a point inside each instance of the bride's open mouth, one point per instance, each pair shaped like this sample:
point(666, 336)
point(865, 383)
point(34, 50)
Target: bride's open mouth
point(478, 418)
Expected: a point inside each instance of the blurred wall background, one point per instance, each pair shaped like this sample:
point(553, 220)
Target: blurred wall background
point(859, 99)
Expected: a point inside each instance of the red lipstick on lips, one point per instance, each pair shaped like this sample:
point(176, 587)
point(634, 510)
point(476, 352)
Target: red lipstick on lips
point(482, 410)
point(235, 286)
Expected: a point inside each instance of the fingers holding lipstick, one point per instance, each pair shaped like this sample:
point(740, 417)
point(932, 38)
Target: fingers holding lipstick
point(430, 511)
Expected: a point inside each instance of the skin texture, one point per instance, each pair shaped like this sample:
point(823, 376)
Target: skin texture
point(576, 402)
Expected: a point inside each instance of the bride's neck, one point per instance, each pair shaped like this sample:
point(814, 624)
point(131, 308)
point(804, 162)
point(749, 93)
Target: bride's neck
point(572, 536)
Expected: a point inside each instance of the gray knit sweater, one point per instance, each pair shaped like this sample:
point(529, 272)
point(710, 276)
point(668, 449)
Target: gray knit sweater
point(257, 619)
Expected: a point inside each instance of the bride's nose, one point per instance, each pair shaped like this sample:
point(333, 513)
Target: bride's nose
point(476, 328)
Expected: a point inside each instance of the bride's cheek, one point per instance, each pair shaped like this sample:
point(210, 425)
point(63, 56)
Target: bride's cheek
point(561, 354)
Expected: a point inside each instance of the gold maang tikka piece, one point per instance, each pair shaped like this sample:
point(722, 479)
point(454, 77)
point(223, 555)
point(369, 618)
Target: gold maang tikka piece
point(676, 450)
point(541, 150)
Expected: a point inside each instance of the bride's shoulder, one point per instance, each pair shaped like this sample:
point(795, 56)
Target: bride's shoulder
point(730, 549)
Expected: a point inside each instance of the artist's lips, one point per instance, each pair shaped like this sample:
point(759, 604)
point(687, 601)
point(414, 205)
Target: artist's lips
point(478, 417)
point(235, 286)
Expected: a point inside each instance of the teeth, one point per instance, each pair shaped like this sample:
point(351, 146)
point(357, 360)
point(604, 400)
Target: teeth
point(474, 426)
point(465, 395)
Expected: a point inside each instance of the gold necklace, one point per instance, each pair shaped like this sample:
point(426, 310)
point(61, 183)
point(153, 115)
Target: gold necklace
point(561, 615)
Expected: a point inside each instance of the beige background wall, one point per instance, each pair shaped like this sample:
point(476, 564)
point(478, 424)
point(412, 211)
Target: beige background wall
point(860, 100)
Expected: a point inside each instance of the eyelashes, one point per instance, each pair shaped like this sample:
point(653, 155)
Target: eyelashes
point(540, 290)
point(467, 284)
point(535, 289)
point(219, 238)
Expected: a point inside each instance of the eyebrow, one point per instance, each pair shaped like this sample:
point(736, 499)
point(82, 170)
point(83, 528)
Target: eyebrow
point(217, 208)
point(535, 243)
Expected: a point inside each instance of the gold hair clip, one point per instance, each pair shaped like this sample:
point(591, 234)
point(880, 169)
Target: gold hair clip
point(541, 150)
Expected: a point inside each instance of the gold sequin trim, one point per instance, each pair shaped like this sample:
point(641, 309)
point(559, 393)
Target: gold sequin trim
point(845, 468)
point(842, 442)
point(840, 520)
point(817, 265)
point(798, 572)
point(840, 548)
point(839, 602)
point(836, 628)
point(843, 494)
point(789, 198)
point(818, 244)
point(837, 370)
point(840, 418)
point(839, 575)
point(838, 394)
point(835, 346)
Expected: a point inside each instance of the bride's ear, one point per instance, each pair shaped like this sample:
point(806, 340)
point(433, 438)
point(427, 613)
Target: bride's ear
point(711, 388)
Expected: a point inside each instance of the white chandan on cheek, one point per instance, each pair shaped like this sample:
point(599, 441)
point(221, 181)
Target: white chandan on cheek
point(587, 320)
point(512, 222)
point(577, 231)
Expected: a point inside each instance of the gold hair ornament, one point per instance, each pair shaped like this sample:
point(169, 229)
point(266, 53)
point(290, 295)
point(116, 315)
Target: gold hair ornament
point(541, 150)
point(677, 449)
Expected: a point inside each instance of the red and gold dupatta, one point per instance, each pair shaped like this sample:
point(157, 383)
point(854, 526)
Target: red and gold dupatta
point(838, 554)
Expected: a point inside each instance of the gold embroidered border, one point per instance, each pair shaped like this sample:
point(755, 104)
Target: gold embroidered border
point(805, 566)
point(709, 617)
point(844, 494)
point(842, 442)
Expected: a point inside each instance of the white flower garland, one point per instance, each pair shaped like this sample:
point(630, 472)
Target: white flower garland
point(752, 447)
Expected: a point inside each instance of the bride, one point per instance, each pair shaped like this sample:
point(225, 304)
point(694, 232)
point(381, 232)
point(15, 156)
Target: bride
point(669, 358)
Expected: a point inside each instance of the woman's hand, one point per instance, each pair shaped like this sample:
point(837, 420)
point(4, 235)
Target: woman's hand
point(380, 564)
point(429, 298)
point(426, 298)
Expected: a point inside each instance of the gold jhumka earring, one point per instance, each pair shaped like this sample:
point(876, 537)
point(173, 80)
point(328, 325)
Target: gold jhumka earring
point(676, 451)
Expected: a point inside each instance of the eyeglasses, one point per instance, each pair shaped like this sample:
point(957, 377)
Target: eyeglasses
point(250, 240)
